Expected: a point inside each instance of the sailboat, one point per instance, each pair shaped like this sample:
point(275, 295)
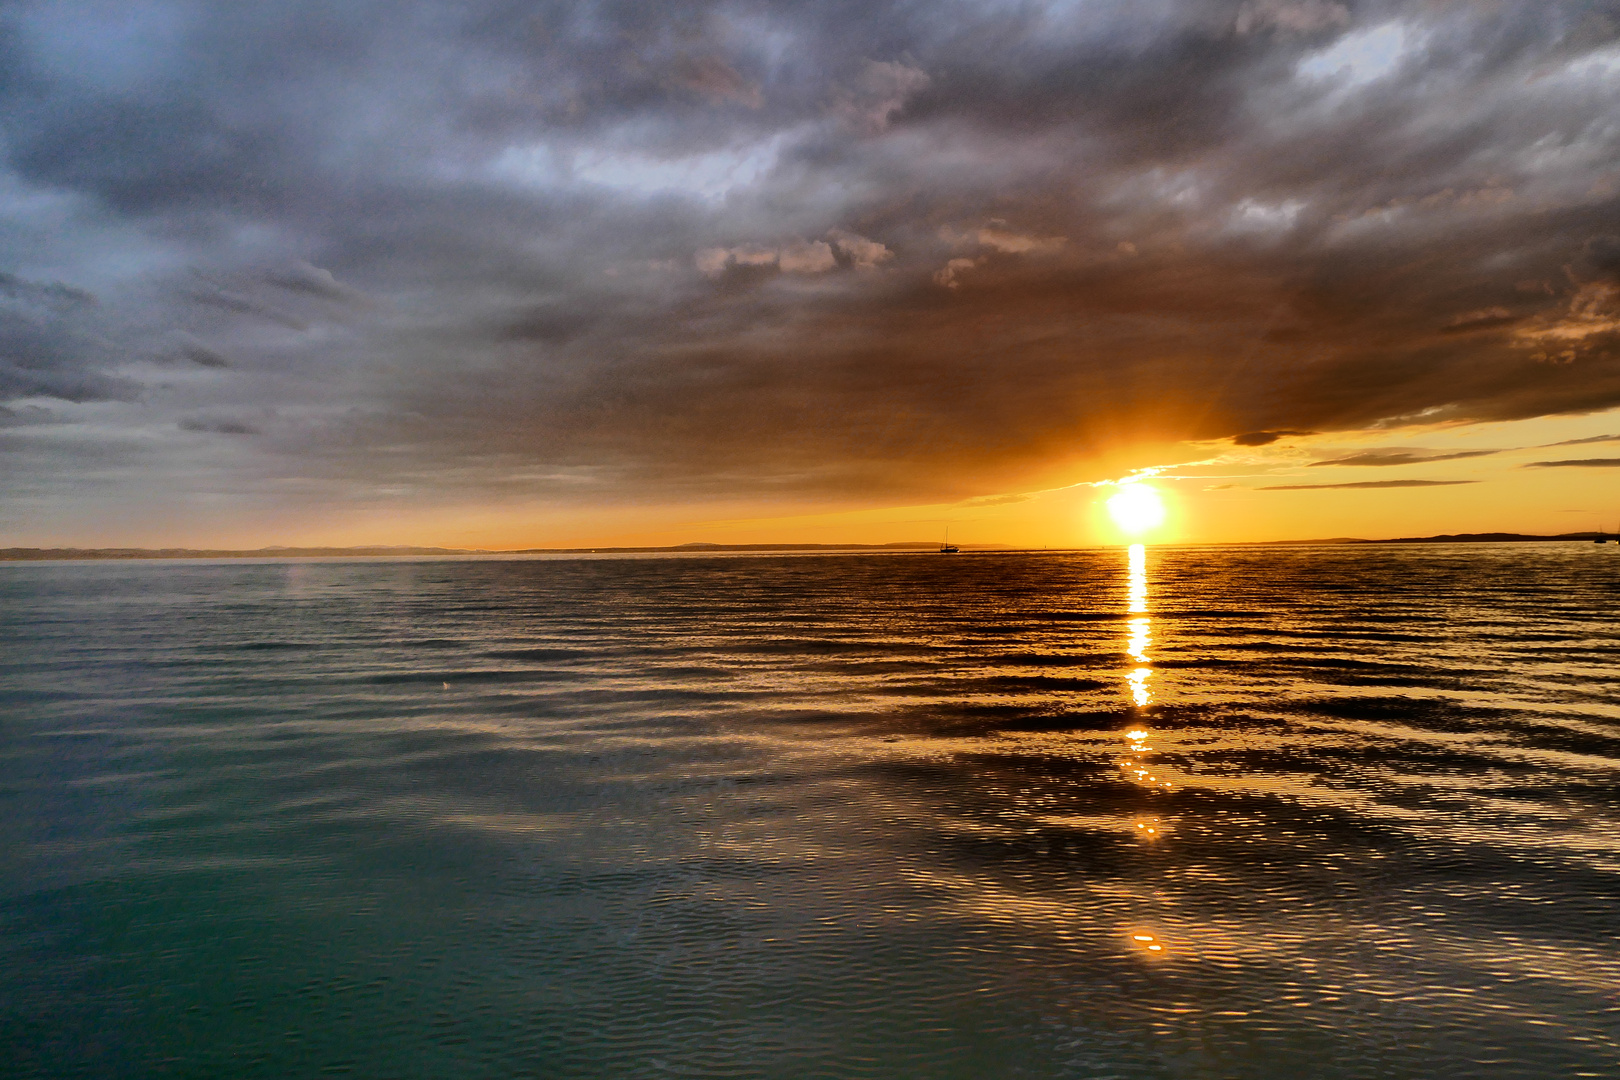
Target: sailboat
point(948, 548)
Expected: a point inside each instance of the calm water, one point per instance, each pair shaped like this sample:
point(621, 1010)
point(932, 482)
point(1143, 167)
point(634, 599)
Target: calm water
point(1319, 812)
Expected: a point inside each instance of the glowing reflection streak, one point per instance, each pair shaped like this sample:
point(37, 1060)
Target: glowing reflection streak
point(1141, 638)
point(1141, 635)
point(1141, 696)
point(1138, 578)
point(1136, 766)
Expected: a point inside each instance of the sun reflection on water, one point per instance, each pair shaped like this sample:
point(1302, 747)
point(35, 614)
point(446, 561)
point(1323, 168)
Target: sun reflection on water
point(1141, 629)
point(1137, 764)
point(1141, 638)
point(1138, 578)
point(1138, 640)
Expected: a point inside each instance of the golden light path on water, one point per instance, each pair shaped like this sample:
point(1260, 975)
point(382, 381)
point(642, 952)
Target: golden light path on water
point(1141, 628)
point(1136, 765)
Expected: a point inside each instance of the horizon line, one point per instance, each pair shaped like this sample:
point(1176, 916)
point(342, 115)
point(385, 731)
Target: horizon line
point(66, 553)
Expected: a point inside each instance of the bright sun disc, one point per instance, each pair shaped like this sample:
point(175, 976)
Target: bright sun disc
point(1136, 509)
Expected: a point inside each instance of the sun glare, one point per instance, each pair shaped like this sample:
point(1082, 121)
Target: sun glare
point(1136, 509)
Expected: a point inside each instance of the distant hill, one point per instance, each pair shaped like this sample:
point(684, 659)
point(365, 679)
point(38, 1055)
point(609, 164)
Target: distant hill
point(1446, 538)
point(1487, 538)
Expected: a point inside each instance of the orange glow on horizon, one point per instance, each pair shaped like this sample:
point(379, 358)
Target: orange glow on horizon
point(1222, 495)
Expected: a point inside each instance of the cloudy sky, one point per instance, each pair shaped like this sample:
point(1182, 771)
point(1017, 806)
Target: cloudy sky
point(510, 274)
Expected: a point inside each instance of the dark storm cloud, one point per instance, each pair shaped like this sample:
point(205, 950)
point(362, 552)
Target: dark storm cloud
point(1368, 484)
point(662, 251)
point(52, 344)
point(1602, 257)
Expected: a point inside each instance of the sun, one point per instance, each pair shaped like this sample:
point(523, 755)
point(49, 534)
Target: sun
point(1136, 509)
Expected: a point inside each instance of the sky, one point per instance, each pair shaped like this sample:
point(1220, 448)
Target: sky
point(491, 274)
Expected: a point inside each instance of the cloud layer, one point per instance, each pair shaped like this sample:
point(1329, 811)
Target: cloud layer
point(1367, 484)
point(627, 252)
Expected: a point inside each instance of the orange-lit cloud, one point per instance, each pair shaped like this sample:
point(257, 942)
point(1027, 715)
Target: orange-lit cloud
point(1579, 463)
point(1367, 484)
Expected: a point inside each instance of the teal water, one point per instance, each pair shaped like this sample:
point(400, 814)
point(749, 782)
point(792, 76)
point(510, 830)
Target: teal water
point(1317, 812)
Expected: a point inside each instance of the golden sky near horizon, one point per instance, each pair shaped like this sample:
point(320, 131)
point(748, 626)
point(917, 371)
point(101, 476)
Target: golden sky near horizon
point(522, 274)
point(1280, 491)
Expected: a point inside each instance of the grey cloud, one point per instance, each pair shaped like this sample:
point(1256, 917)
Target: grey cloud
point(218, 425)
point(1297, 16)
point(1602, 256)
point(53, 343)
point(21, 380)
point(549, 323)
point(27, 416)
point(712, 77)
point(202, 355)
point(793, 257)
point(881, 89)
point(241, 305)
point(53, 294)
point(309, 280)
point(141, 156)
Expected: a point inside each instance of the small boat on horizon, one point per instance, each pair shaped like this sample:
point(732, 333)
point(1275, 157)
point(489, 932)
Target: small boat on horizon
point(946, 547)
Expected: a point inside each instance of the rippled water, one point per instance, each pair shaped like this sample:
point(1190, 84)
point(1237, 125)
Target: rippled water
point(1316, 812)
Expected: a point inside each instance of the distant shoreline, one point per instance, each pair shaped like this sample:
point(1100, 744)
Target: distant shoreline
point(22, 554)
point(1458, 538)
point(26, 554)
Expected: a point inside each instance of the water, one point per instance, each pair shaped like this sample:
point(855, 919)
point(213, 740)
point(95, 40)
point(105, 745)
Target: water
point(1318, 812)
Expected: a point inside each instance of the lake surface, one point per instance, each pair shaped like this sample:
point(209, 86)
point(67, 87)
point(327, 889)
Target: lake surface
point(1334, 812)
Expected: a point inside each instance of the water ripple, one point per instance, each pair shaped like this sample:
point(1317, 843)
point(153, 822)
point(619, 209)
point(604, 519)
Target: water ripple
point(1332, 812)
